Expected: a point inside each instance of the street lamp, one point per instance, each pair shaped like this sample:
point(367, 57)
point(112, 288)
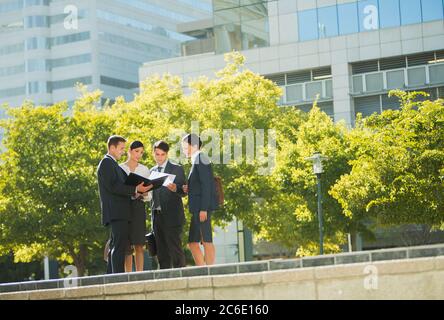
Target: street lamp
point(317, 158)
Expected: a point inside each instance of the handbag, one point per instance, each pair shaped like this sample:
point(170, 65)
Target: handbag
point(151, 243)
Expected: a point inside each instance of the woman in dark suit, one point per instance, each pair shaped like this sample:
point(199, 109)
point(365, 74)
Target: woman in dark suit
point(137, 228)
point(201, 200)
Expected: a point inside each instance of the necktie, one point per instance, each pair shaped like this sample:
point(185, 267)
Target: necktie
point(156, 193)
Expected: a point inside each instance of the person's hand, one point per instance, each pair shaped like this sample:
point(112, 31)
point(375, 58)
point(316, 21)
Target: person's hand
point(203, 216)
point(185, 188)
point(150, 186)
point(138, 195)
point(142, 189)
point(172, 187)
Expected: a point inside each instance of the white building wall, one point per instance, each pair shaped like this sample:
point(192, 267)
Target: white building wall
point(337, 52)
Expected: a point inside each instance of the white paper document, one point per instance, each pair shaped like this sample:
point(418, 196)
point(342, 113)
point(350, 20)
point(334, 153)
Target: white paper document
point(168, 180)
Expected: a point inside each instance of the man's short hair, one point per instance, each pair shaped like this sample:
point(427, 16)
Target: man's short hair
point(193, 139)
point(115, 140)
point(162, 145)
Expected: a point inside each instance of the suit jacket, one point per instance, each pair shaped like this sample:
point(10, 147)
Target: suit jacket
point(201, 189)
point(171, 202)
point(115, 196)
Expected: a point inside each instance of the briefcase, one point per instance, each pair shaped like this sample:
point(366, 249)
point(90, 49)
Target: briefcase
point(151, 244)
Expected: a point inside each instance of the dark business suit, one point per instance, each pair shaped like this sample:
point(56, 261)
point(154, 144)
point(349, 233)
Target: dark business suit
point(201, 197)
point(168, 223)
point(115, 203)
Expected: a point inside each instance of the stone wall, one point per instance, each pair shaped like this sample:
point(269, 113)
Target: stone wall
point(421, 278)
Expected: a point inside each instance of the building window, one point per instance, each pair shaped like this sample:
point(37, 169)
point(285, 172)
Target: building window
point(60, 40)
point(389, 13)
point(12, 92)
point(432, 10)
point(36, 87)
point(36, 22)
point(37, 43)
point(33, 65)
point(368, 105)
point(365, 15)
point(140, 25)
point(119, 64)
point(328, 22)
point(254, 26)
point(69, 61)
point(348, 18)
point(227, 30)
point(118, 83)
point(9, 71)
point(308, 25)
point(70, 83)
point(10, 6)
point(241, 26)
point(9, 49)
point(155, 51)
point(378, 103)
point(29, 3)
point(410, 11)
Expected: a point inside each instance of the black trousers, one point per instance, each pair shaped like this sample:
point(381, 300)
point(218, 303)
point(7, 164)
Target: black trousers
point(170, 253)
point(119, 244)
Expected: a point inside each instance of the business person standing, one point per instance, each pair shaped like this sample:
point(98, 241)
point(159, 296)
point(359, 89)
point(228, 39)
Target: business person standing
point(202, 200)
point(167, 211)
point(138, 211)
point(115, 201)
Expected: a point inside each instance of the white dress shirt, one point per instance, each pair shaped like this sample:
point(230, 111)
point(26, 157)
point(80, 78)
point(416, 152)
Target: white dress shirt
point(143, 171)
point(163, 165)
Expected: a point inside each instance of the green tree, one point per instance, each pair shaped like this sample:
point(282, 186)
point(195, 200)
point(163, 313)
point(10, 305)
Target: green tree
point(397, 176)
point(289, 212)
point(48, 182)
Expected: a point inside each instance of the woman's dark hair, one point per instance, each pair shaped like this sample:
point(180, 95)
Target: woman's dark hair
point(115, 140)
point(193, 139)
point(162, 145)
point(136, 144)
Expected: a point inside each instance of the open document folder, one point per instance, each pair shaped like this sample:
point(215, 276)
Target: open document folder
point(135, 179)
point(169, 178)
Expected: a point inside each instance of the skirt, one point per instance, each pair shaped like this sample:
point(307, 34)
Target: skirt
point(137, 227)
point(200, 231)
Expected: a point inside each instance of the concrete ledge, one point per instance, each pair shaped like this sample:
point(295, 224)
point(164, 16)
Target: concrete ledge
point(403, 278)
point(239, 268)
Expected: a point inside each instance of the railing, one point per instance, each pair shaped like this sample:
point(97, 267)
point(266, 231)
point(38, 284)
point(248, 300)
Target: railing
point(306, 92)
point(199, 46)
point(402, 78)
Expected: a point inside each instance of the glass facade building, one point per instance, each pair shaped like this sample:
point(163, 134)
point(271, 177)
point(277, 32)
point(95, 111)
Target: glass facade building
point(368, 15)
point(240, 25)
point(46, 46)
point(349, 53)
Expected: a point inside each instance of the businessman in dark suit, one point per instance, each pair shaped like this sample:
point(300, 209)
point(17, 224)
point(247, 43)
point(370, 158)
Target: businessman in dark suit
point(167, 211)
point(202, 200)
point(115, 201)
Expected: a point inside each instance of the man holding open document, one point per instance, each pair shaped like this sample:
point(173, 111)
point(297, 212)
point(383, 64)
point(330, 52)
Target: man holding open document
point(167, 209)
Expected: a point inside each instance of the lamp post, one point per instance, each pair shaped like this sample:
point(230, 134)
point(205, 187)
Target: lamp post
point(317, 158)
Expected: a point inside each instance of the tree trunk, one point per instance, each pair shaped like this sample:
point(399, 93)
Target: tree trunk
point(356, 241)
point(80, 260)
